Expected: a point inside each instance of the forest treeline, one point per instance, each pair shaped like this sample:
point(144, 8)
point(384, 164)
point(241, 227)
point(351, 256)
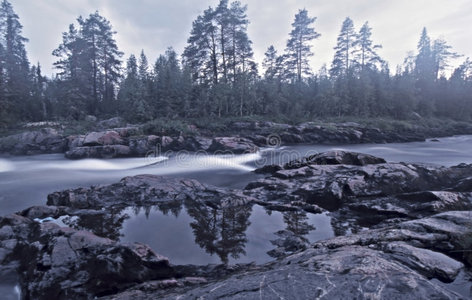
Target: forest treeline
point(217, 76)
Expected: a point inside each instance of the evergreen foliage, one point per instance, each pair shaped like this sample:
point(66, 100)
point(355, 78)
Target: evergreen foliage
point(216, 76)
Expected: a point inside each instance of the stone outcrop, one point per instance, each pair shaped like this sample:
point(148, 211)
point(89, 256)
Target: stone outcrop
point(62, 263)
point(232, 145)
point(403, 231)
point(390, 263)
point(144, 190)
point(46, 140)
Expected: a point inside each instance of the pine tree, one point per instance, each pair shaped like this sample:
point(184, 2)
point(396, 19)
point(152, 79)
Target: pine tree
point(299, 47)
point(89, 64)
point(365, 54)
point(441, 55)
point(201, 53)
point(344, 57)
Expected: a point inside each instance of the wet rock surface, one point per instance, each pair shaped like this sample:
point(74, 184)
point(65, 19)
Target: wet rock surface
point(365, 188)
point(403, 231)
point(390, 263)
point(233, 145)
point(145, 190)
point(62, 263)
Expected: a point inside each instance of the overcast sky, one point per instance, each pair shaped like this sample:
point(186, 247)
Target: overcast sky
point(153, 25)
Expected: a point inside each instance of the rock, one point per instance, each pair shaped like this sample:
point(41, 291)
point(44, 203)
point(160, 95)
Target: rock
point(140, 146)
point(90, 118)
point(74, 141)
point(336, 157)
point(125, 132)
point(45, 140)
point(102, 138)
point(111, 151)
point(268, 169)
point(291, 138)
point(288, 243)
point(427, 262)
point(463, 185)
point(365, 188)
point(203, 142)
point(111, 123)
point(391, 263)
point(232, 145)
point(243, 125)
point(165, 142)
point(63, 263)
point(144, 190)
point(182, 143)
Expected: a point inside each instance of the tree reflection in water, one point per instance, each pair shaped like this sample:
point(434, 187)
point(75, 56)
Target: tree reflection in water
point(102, 223)
point(297, 223)
point(293, 237)
point(220, 230)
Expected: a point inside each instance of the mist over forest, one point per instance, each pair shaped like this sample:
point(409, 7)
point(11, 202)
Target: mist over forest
point(217, 76)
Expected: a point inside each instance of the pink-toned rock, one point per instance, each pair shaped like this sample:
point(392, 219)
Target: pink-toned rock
point(233, 145)
point(102, 138)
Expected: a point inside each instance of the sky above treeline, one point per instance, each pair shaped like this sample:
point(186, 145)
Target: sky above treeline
point(154, 25)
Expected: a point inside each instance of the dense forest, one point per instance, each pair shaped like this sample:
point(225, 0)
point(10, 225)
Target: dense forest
point(217, 75)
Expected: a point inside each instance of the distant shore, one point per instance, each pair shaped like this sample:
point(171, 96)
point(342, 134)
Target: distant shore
point(116, 138)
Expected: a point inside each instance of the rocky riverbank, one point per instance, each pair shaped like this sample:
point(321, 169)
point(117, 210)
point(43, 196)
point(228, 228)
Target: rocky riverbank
point(114, 138)
point(403, 230)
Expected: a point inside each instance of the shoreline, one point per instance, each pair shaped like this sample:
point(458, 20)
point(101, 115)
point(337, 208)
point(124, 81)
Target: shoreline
point(118, 139)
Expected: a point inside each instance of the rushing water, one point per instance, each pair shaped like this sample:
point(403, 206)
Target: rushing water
point(27, 180)
point(177, 232)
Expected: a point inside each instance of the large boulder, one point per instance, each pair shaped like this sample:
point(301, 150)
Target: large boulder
point(144, 190)
point(62, 263)
point(125, 132)
point(111, 151)
point(111, 123)
point(232, 145)
point(103, 138)
point(336, 157)
point(46, 140)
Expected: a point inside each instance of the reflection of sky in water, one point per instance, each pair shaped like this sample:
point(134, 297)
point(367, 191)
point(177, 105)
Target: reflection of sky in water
point(174, 237)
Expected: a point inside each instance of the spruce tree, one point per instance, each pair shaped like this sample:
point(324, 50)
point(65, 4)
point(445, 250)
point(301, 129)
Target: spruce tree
point(365, 54)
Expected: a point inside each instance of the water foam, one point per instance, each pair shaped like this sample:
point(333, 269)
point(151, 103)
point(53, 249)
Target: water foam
point(6, 166)
point(106, 165)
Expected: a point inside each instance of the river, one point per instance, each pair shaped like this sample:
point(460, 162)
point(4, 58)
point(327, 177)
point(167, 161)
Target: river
point(27, 180)
point(176, 232)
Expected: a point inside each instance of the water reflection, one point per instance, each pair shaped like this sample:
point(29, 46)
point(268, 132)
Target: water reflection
point(297, 222)
point(195, 232)
point(220, 231)
point(102, 223)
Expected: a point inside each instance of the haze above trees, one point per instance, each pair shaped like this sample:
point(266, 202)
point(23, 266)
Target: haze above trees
point(217, 76)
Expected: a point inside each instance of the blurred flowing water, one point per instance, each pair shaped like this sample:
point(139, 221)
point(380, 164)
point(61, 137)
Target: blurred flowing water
point(177, 232)
point(27, 180)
